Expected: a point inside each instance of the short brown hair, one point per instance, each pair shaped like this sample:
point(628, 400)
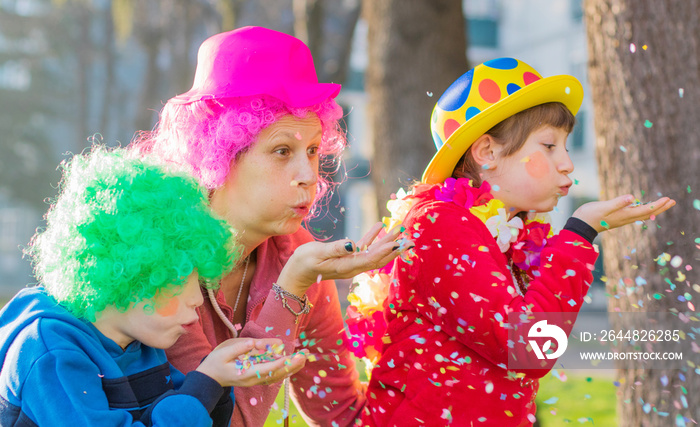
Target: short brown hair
point(513, 131)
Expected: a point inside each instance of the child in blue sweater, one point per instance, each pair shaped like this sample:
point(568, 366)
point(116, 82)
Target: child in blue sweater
point(120, 263)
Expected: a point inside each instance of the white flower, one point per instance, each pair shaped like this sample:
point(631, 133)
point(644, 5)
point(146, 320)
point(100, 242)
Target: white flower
point(370, 291)
point(398, 207)
point(505, 232)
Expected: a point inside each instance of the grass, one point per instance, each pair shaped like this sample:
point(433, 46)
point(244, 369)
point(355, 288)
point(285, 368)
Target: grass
point(564, 398)
point(580, 399)
point(275, 417)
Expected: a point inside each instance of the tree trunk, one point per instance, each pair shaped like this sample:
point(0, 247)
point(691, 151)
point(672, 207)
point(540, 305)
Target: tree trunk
point(84, 77)
point(274, 14)
point(331, 35)
point(645, 85)
point(110, 54)
point(326, 26)
point(416, 49)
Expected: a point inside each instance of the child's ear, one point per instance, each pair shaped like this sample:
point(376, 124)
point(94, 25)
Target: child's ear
point(484, 151)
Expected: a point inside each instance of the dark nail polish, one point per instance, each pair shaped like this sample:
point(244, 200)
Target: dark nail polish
point(396, 247)
point(348, 247)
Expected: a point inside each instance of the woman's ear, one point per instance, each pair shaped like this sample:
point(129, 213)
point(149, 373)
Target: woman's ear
point(484, 151)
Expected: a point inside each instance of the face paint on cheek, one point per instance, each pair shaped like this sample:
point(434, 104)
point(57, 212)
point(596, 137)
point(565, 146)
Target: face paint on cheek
point(537, 166)
point(169, 308)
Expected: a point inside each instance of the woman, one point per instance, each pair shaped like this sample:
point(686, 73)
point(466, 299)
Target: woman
point(254, 128)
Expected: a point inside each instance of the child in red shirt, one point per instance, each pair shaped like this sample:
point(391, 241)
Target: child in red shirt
point(482, 252)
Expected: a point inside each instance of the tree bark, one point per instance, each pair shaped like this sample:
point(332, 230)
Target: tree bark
point(110, 65)
point(326, 26)
point(331, 37)
point(645, 85)
point(84, 74)
point(416, 50)
point(274, 14)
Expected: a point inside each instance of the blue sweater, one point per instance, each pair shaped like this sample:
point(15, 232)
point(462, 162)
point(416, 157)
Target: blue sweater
point(59, 370)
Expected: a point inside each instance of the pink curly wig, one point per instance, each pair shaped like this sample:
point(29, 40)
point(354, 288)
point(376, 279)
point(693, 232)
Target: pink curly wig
point(205, 137)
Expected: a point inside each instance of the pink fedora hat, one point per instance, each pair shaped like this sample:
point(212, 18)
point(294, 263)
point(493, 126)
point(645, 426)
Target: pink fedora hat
point(256, 61)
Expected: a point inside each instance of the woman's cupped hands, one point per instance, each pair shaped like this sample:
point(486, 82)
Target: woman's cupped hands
point(315, 261)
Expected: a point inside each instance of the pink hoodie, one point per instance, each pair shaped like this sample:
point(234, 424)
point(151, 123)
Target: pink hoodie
point(337, 398)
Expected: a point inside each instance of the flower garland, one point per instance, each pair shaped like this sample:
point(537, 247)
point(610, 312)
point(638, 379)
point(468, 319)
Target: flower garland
point(521, 241)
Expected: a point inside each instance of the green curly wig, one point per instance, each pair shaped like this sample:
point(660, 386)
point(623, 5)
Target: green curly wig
point(122, 229)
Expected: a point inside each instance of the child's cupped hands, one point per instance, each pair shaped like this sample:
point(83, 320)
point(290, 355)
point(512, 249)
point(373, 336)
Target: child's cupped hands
point(608, 214)
point(245, 362)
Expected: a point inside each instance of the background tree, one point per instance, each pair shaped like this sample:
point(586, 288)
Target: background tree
point(644, 77)
point(326, 26)
point(169, 32)
point(416, 50)
point(33, 91)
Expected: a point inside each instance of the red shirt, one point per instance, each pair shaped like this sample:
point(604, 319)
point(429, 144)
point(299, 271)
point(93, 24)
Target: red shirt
point(445, 362)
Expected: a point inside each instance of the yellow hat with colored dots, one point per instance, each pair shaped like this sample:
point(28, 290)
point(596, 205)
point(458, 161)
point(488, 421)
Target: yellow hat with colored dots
point(485, 96)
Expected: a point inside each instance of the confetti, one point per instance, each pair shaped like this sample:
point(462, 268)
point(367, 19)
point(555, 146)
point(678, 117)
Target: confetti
point(633, 48)
point(446, 414)
point(648, 124)
point(676, 261)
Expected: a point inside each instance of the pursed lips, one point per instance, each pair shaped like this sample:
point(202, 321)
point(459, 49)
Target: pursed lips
point(303, 206)
point(564, 189)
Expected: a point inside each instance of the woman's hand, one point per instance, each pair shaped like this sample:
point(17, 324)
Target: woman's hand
point(316, 261)
point(244, 362)
point(609, 214)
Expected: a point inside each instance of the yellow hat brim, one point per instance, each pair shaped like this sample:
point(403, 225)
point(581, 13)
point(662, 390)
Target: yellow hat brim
point(565, 89)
